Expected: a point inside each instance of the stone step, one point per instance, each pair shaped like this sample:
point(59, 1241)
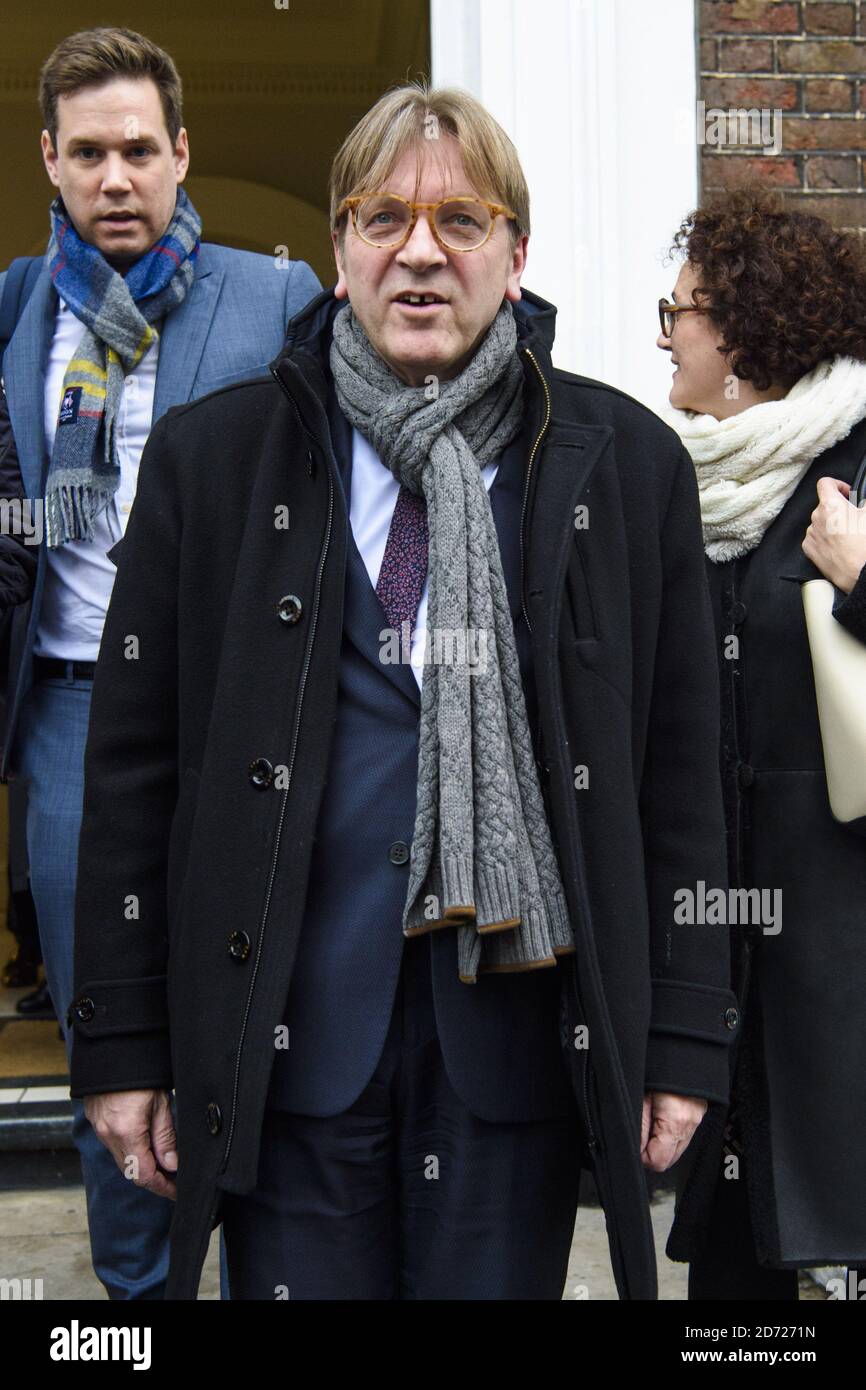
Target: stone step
point(35, 1113)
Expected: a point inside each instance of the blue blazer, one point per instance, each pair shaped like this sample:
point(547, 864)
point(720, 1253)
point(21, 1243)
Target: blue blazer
point(230, 326)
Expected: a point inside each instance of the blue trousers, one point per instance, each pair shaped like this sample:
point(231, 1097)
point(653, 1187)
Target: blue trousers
point(407, 1194)
point(128, 1225)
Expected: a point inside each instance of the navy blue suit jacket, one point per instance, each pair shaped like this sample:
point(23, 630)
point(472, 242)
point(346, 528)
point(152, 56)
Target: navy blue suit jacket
point(500, 1036)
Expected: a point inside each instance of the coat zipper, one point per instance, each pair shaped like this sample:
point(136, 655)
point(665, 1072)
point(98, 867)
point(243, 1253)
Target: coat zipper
point(592, 1142)
point(591, 1137)
point(295, 731)
point(534, 451)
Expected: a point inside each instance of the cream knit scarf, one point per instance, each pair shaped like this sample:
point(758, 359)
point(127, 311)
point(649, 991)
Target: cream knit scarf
point(749, 465)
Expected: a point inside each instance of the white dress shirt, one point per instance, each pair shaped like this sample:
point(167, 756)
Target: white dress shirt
point(374, 497)
point(79, 576)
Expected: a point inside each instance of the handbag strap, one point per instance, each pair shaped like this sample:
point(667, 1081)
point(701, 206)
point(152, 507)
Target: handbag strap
point(859, 484)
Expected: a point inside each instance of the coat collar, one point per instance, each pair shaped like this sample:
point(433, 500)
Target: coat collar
point(303, 368)
point(570, 449)
point(308, 338)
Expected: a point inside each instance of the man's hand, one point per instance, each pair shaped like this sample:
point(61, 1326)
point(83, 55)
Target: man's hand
point(137, 1129)
point(667, 1124)
point(836, 538)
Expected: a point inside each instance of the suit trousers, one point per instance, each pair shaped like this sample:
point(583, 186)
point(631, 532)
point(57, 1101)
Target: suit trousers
point(407, 1194)
point(128, 1226)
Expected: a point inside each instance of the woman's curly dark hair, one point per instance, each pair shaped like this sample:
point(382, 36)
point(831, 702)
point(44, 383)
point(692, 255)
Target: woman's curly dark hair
point(785, 289)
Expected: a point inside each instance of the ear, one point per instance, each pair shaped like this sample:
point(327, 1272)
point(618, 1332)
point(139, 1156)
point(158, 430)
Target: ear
point(341, 289)
point(49, 158)
point(181, 155)
point(516, 268)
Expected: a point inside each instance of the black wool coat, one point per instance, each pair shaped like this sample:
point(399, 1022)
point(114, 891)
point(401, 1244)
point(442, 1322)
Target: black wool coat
point(798, 1110)
point(219, 664)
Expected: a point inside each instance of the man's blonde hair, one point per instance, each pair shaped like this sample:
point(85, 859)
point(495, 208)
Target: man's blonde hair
point(414, 117)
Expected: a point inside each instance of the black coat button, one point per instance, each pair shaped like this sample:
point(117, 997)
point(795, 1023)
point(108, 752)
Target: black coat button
point(399, 852)
point(732, 1018)
point(239, 945)
point(261, 772)
point(214, 1118)
point(84, 1009)
point(745, 775)
point(738, 612)
point(290, 608)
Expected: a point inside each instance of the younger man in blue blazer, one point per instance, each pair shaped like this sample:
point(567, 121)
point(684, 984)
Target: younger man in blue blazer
point(129, 315)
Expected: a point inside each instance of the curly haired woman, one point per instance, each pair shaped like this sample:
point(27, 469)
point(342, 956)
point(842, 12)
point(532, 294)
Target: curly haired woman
point(767, 332)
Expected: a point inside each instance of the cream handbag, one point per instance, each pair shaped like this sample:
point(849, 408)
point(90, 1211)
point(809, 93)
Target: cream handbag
point(839, 665)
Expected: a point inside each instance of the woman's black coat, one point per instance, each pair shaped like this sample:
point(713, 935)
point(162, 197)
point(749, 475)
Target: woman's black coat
point(184, 839)
point(799, 1098)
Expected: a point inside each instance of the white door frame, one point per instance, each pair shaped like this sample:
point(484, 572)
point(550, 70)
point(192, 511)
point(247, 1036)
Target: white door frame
point(599, 97)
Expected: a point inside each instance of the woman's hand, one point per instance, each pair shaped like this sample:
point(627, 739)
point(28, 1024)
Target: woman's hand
point(836, 538)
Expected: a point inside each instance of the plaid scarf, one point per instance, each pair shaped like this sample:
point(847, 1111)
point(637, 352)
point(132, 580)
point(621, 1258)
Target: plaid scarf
point(119, 313)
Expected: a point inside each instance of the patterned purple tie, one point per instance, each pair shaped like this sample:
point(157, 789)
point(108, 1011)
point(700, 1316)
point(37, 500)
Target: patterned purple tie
point(404, 564)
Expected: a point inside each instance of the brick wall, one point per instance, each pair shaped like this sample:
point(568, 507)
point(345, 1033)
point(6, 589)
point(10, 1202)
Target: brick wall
point(808, 60)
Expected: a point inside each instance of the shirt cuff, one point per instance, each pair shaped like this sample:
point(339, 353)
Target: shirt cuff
point(850, 610)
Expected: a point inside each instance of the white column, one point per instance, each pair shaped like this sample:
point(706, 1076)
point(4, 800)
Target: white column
point(599, 98)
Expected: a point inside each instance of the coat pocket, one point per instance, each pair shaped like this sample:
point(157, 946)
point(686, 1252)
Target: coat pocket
point(578, 600)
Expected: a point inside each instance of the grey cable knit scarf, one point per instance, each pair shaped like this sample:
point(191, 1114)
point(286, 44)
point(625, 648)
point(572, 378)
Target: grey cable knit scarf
point(482, 859)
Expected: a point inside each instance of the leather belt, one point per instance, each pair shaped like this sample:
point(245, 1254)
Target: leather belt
point(56, 666)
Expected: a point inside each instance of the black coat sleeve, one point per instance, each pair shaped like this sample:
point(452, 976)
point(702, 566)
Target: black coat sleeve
point(119, 1012)
point(850, 611)
point(694, 1016)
